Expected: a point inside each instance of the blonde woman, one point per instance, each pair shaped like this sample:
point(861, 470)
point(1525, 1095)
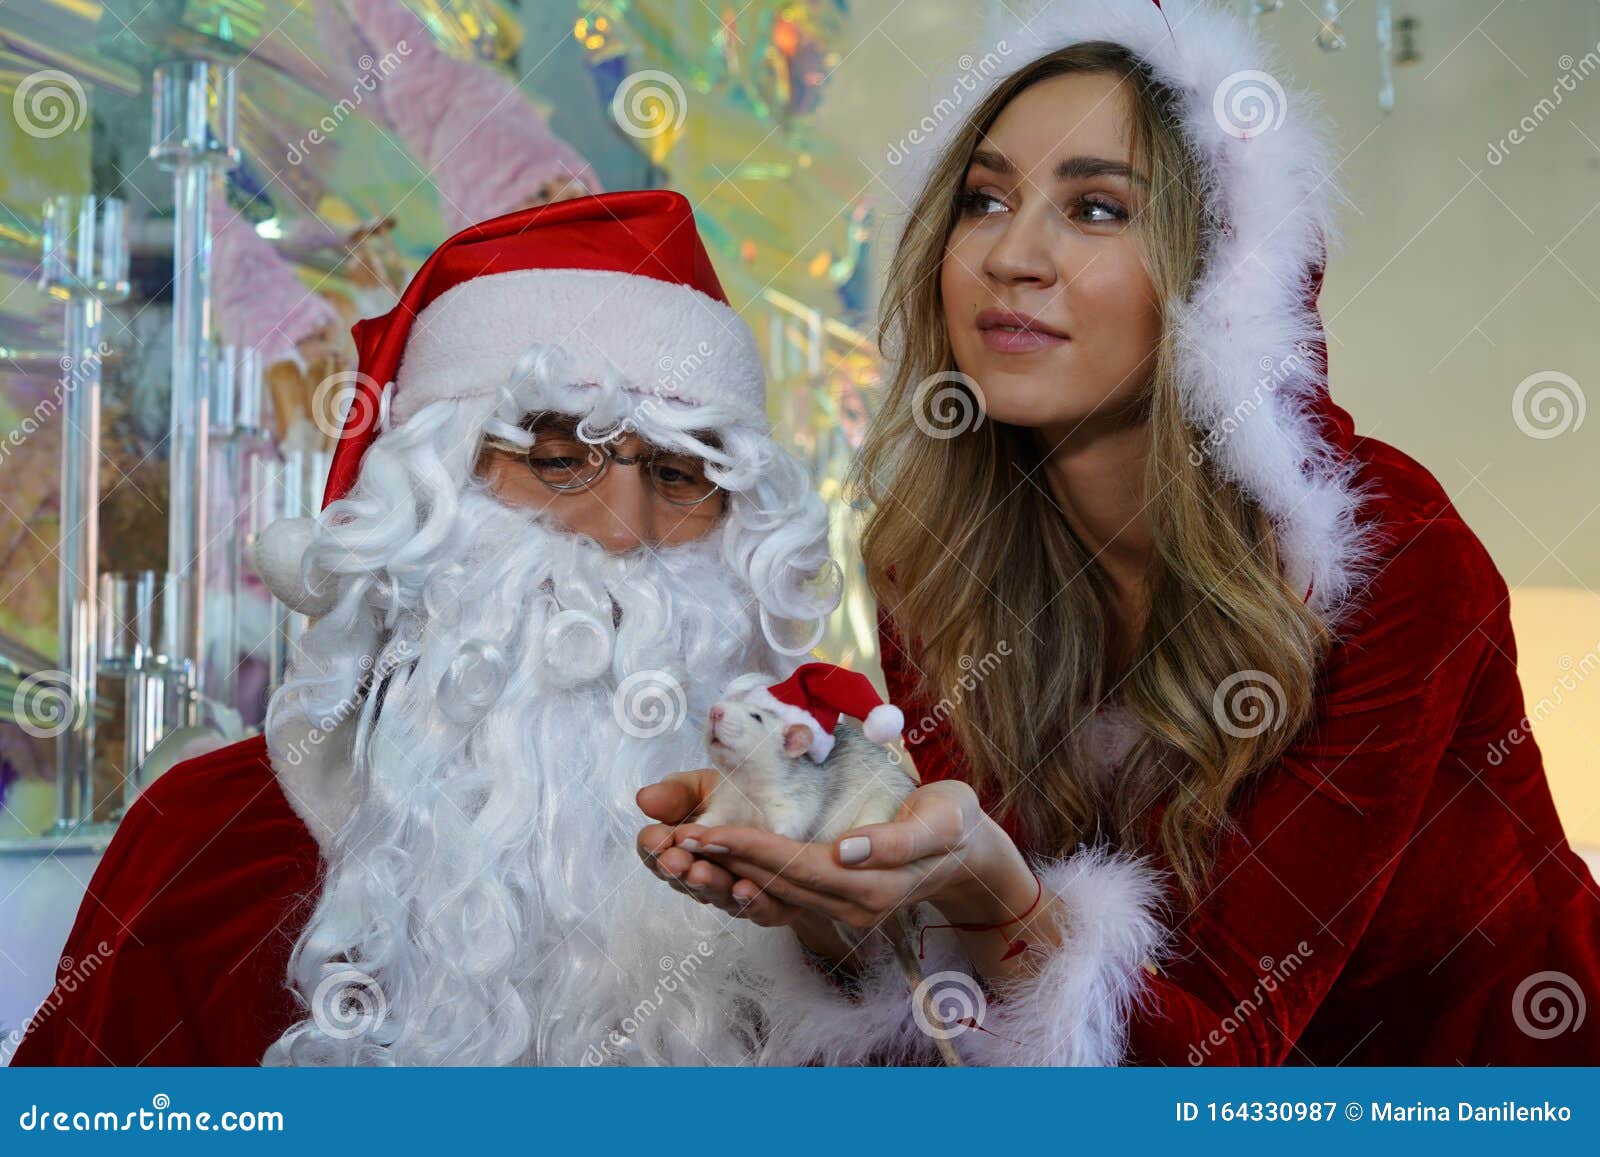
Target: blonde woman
point(1214, 702)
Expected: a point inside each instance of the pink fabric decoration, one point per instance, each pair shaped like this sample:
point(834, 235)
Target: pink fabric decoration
point(259, 301)
point(487, 150)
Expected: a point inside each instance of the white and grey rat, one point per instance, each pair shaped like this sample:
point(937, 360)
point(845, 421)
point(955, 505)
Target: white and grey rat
point(767, 781)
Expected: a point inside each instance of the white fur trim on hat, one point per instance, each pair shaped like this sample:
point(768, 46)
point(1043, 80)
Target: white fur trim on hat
point(821, 739)
point(884, 723)
point(280, 552)
point(650, 335)
point(1247, 383)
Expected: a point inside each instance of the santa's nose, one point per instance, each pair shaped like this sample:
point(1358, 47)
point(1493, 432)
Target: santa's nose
point(716, 715)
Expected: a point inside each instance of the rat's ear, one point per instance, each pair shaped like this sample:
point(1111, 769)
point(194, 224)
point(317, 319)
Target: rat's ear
point(796, 740)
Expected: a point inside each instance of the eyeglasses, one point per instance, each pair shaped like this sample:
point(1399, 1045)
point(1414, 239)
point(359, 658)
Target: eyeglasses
point(566, 463)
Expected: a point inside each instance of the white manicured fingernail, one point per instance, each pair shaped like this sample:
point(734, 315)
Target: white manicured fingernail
point(854, 850)
point(714, 848)
point(689, 842)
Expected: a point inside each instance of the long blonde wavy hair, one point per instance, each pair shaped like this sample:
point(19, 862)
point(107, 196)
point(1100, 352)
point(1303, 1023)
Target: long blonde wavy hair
point(983, 566)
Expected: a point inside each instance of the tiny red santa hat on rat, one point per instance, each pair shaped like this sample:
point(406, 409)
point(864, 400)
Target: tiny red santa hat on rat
point(816, 694)
point(619, 283)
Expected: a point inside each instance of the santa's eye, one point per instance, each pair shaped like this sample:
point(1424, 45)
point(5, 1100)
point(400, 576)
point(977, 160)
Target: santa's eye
point(758, 717)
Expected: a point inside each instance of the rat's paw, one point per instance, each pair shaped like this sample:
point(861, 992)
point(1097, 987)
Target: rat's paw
point(716, 817)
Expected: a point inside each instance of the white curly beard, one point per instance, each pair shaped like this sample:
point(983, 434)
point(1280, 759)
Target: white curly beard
point(484, 903)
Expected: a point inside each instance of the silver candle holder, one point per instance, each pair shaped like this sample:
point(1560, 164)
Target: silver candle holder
point(85, 261)
point(193, 135)
point(134, 608)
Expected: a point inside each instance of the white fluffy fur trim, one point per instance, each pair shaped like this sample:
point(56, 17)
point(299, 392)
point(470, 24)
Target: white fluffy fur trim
point(1074, 1010)
point(813, 1020)
point(280, 554)
point(1248, 384)
point(884, 723)
point(315, 769)
point(669, 340)
point(821, 739)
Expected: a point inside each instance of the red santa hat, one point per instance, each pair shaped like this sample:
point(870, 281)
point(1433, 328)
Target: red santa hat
point(620, 282)
point(816, 694)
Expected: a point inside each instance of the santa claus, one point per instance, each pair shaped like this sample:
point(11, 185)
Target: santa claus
point(558, 528)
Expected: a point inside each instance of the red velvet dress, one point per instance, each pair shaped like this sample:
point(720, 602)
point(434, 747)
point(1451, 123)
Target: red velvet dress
point(1399, 880)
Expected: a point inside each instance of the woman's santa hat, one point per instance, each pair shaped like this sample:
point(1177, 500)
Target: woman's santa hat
point(816, 694)
point(1251, 354)
point(620, 283)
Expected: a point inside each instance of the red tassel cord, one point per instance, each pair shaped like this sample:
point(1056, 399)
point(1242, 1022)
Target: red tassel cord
point(1013, 947)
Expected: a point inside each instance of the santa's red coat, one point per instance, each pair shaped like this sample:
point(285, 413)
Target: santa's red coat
point(1404, 853)
point(200, 897)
